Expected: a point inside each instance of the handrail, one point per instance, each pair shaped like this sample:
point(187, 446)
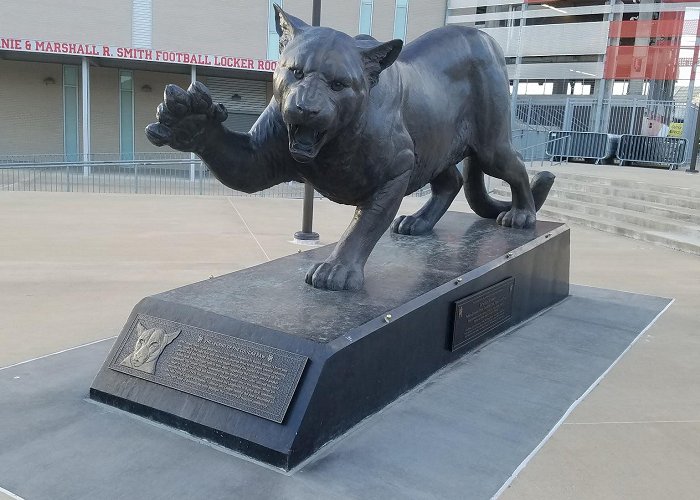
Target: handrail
point(543, 146)
point(157, 176)
point(94, 163)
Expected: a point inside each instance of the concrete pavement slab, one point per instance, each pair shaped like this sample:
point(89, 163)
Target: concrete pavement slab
point(460, 435)
point(53, 295)
point(73, 264)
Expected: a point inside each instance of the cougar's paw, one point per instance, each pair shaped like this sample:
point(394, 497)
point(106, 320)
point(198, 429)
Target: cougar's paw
point(408, 224)
point(517, 217)
point(335, 276)
point(184, 117)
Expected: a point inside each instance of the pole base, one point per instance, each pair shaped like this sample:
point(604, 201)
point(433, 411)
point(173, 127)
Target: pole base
point(692, 170)
point(303, 238)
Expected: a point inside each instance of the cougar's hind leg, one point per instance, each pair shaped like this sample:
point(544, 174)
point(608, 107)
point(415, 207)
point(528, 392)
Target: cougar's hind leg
point(505, 164)
point(444, 189)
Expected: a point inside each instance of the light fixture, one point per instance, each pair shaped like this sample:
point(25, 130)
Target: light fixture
point(236, 97)
point(554, 8)
point(49, 81)
point(582, 73)
point(146, 88)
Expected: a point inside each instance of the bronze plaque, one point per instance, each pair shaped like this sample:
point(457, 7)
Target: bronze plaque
point(245, 375)
point(482, 314)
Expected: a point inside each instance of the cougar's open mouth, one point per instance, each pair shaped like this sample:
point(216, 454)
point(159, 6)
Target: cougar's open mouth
point(304, 142)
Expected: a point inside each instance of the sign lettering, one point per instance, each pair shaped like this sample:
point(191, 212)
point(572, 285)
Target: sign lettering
point(136, 54)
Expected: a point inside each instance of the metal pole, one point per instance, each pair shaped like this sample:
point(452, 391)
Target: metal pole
point(85, 84)
point(696, 138)
point(193, 79)
point(316, 13)
point(691, 87)
point(518, 62)
point(307, 218)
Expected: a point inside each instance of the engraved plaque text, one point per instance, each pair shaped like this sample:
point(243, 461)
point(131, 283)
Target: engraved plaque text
point(482, 314)
point(245, 375)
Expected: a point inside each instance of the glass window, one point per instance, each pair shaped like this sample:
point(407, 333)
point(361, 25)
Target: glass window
point(534, 88)
point(401, 19)
point(273, 39)
point(126, 115)
point(366, 16)
point(620, 88)
point(579, 88)
point(70, 112)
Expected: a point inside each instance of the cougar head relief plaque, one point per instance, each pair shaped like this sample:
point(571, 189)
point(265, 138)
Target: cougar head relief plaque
point(149, 346)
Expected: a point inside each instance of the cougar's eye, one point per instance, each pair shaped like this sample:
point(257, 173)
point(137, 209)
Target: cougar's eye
point(298, 74)
point(337, 86)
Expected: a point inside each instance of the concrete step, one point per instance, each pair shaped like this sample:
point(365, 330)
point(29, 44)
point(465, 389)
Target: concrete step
point(644, 221)
point(626, 184)
point(666, 215)
point(678, 214)
point(613, 214)
point(641, 194)
point(681, 214)
point(671, 240)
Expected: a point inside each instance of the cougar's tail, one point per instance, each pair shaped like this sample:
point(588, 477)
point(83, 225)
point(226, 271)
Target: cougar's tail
point(488, 207)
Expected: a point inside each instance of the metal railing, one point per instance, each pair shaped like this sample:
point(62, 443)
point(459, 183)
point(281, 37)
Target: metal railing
point(537, 155)
point(44, 158)
point(164, 175)
point(652, 150)
point(178, 176)
point(534, 156)
point(617, 115)
point(586, 145)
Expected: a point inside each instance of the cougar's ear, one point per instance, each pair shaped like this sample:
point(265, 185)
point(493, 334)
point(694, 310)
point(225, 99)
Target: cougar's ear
point(169, 337)
point(287, 26)
point(379, 58)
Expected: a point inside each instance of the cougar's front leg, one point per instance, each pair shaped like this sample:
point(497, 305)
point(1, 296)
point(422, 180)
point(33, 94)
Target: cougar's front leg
point(344, 268)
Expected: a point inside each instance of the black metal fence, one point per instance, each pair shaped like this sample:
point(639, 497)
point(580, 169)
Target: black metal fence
point(168, 176)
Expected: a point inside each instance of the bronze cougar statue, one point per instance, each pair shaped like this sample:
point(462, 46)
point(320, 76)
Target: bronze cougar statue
point(367, 123)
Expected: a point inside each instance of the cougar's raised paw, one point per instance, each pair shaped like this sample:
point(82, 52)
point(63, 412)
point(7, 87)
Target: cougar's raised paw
point(177, 100)
point(184, 117)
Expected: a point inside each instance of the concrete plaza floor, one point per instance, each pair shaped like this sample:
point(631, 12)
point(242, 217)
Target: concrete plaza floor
point(73, 265)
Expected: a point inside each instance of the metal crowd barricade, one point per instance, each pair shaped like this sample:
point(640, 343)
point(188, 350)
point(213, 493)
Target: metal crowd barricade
point(587, 145)
point(538, 152)
point(652, 150)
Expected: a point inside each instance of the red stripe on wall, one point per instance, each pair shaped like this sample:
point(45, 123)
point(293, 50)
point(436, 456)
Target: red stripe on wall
point(656, 62)
point(646, 29)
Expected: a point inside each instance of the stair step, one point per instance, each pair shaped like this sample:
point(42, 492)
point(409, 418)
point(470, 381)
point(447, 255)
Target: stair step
point(665, 199)
point(658, 213)
point(675, 241)
point(687, 192)
point(644, 221)
point(636, 205)
point(671, 213)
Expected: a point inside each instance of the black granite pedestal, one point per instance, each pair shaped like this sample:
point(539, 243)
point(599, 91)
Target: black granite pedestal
point(264, 364)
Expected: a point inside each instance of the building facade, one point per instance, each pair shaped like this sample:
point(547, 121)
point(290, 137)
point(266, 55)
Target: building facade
point(82, 79)
point(618, 66)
